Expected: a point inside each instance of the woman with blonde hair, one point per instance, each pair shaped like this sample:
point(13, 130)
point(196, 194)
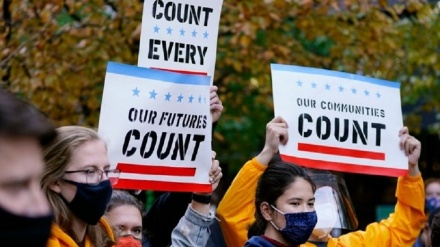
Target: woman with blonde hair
point(76, 183)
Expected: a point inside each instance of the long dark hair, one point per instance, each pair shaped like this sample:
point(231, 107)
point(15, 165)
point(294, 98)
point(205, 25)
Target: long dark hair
point(271, 185)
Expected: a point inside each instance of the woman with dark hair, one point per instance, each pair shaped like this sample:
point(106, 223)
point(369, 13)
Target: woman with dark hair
point(236, 210)
point(284, 202)
point(434, 223)
point(432, 203)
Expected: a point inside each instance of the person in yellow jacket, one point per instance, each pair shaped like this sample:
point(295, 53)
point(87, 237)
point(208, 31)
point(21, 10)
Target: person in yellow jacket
point(77, 185)
point(237, 208)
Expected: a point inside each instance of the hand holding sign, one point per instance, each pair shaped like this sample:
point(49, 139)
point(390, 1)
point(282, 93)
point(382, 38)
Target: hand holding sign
point(412, 147)
point(216, 106)
point(276, 134)
point(215, 174)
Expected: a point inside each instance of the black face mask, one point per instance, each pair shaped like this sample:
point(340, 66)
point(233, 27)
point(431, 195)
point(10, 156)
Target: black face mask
point(17, 230)
point(90, 201)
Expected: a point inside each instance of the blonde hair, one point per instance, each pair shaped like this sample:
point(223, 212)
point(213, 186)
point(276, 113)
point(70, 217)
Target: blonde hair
point(57, 155)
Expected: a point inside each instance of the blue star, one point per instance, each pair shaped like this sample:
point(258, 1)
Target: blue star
point(169, 30)
point(378, 95)
point(194, 33)
point(190, 99)
point(179, 98)
point(366, 93)
point(156, 29)
point(314, 85)
point(182, 32)
point(200, 99)
point(327, 87)
point(205, 34)
point(341, 89)
point(167, 96)
point(299, 83)
point(353, 90)
point(153, 94)
point(136, 92)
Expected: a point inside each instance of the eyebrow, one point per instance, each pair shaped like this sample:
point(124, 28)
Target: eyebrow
point(301, 199)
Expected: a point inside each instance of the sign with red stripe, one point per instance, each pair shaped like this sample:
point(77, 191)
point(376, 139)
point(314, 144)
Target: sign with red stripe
point(339, 121)
point(180, 35)
point(157, 126)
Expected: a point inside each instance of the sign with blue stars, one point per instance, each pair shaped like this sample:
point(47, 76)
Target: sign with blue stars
point(180, 35)
point(339, 121)
point(157, 126)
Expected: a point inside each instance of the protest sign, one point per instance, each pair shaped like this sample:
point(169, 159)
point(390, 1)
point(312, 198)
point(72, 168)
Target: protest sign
point(339, 121)
point(180, 35)
point(157, 127)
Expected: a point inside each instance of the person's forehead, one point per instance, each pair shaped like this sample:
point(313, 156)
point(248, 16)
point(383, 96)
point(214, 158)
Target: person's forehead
point(127, 215)
point(434, 186)
point(300, 188)
point(89, 153)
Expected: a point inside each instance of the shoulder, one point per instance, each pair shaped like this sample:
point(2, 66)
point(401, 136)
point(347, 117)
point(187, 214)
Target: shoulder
point(59, 238)
point(106, 226)
point(257, 241)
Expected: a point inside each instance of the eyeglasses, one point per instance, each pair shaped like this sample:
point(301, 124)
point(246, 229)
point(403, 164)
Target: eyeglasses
point(94, 176)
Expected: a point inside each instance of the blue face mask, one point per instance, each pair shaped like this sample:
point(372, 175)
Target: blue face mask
point(299, 226)
point(432, 203)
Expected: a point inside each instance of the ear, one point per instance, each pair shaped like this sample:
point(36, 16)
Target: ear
point(55, 187)
point(266, 210)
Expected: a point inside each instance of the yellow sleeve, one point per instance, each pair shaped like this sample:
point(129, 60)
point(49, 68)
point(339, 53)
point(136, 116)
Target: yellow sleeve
point(236, 210)
point(401, 228)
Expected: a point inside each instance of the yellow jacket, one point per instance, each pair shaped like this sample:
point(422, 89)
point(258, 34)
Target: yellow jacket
point(236, 212)
point(58, 238)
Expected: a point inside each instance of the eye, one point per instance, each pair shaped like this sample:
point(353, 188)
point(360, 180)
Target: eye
point(294, 203)
point(121, 228)
point(137, 231)
point(90, 172)
point(17, 186)
point(311, 204)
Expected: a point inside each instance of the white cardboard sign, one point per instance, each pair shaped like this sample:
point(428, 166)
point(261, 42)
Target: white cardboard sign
point(339, 121)
point(157, 126)
point(180, 35)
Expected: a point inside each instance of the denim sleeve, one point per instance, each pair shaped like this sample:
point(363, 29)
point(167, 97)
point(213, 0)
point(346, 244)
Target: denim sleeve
point(192, 229)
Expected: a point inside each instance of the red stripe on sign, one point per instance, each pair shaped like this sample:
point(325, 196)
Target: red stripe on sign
point(355, 153)
point(156, 170)
point(345, 167)
point(183, 71)
point(161, 186)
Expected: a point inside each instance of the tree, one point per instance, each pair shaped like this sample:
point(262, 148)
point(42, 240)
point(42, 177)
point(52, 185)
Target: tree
point(55, 54)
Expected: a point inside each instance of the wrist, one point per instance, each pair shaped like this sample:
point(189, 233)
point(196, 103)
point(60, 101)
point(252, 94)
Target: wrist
point(201, 198)
point(265, 156)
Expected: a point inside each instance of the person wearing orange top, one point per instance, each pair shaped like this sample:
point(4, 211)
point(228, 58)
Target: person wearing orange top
point(237, 208)
point(76, 183)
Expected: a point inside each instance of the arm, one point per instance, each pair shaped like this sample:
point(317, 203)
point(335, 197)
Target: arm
point(404, 225)
point(169, 208)
point(193, 228)
point(237, 208)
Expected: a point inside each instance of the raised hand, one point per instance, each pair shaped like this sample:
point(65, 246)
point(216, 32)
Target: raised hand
point(215, 104)
point(276, 134)
point(412, 148)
